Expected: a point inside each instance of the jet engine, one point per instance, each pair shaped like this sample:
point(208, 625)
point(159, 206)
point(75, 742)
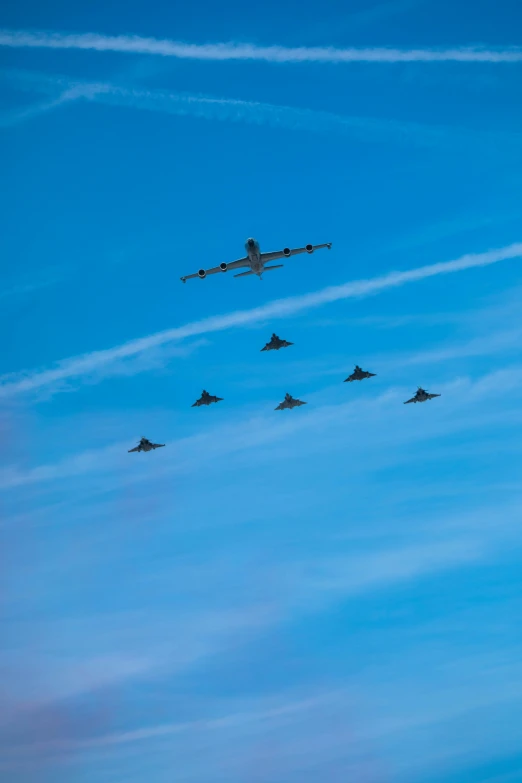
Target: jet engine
point(309, 248)
point(201, 273)
point(287, 252)
point(223, 267)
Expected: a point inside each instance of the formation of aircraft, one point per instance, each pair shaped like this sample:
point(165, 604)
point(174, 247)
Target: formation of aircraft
point(146, 445)
point(255, 261)
point(275, 343)
point(421, 395)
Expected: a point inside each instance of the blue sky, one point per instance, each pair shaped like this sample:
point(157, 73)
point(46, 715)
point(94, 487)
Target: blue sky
point(330, 593)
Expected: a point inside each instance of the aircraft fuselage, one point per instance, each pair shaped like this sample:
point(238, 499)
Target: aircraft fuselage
point(254, 256)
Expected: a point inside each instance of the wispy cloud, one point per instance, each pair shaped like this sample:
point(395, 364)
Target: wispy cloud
point(15, 117)
point(489, 345)
point(226, 722)
point(305, 587)
point(134, 44)
point(291, 117)
point(258, 113)
point(28, 288)
point(228, 110)
point(350, 576)
point(99, 362)
point(379, 570)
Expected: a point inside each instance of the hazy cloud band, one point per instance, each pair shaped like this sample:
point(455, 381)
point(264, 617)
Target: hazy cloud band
point(251, 112)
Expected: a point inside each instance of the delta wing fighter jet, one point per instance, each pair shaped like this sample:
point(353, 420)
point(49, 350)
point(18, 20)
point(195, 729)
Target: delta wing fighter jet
point(421, 395)
point(275, 344)
point(255, 260)
point(206, 399)
point(359, 375)
point(146, 445)
point(289, 402)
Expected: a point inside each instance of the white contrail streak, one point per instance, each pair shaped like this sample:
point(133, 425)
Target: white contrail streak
point(233, 110)
point(13, 118)
point(135, 44)
point(280, 308)
point(256, 113)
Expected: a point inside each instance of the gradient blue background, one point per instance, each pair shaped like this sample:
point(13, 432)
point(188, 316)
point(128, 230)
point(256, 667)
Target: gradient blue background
point(332, 593)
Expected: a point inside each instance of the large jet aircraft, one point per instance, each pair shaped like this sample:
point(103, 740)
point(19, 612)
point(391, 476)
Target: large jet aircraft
point(255, 261)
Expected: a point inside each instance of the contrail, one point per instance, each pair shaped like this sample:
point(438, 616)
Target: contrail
point(276, 116)
point(280, 308)
point(182, 104)
point(236, 110)
point(135, 44)
point(13, 118)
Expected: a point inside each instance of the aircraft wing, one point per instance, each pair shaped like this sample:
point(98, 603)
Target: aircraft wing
point(241, 262)
point(136, 448)
point(157, 445)
point(413, 399)
point(265, 257)
point(431, 396)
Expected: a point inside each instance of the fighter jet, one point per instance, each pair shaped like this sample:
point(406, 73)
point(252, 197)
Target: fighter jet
point(289, 402)
point(255, 261)
point(206, 399)
point(275, 344)
point(421, 395)
point(359, 375)
point(146, 445)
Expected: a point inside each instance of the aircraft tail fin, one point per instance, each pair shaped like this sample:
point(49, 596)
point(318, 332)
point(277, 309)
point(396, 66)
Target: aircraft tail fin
point(265, 269)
